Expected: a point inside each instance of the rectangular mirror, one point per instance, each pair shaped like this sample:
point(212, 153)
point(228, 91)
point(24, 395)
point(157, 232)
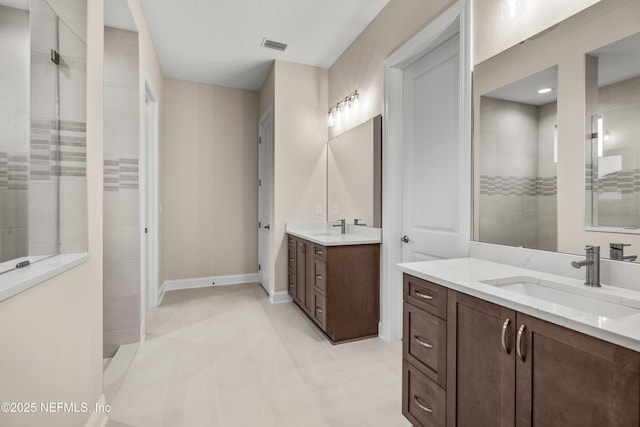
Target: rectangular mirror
point(354, 179)
point(518, 158)
point(613, 148)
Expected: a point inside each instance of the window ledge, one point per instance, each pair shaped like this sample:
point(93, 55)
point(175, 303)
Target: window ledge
point(15, 281)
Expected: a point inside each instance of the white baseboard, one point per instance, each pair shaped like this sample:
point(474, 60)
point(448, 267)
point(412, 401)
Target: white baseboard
point(98, 418)
point(279, 297)
point(161, 292)
point(205, 282)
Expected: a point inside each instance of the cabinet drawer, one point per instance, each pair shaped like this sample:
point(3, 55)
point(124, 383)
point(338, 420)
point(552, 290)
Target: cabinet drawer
point(292, 284)
point(320, 252)
point(292, 254)
point(425, 295)
point(425, 343)
point(319, 309)
point(423, 402)
point(319, 276)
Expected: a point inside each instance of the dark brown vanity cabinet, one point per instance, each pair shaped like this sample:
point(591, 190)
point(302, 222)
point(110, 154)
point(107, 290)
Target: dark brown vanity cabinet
point(336, 286)
point(505, 368)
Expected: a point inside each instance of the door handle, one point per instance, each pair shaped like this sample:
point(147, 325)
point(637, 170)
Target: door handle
point(267, 227)
point(519, 343)
point(405, 239)
point(505, 326)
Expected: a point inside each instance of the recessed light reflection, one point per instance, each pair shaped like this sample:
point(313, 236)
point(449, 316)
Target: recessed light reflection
point(544, 90)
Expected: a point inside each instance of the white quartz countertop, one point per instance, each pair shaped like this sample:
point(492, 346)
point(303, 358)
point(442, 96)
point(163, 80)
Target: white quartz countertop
point(325, 234)
point(466, 275)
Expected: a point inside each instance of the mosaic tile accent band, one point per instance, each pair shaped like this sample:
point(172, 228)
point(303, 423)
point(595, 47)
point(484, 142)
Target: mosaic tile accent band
point(14, 171)
point(623, 182)
point(57, 150)
point(518, 186)
point(120, 174)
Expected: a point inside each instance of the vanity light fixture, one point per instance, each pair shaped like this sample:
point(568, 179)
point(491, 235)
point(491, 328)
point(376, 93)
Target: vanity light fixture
point(544, 90)
point(343, 108)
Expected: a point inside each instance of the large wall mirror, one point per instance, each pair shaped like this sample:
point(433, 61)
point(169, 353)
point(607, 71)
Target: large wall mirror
point(354, 179)
point(613, 157)
point(541, 160)
point(43, 202)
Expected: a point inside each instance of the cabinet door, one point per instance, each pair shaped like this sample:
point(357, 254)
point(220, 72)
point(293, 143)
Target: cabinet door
point(569, 379)
point(301, 271)
point(480, 373)
point(309, 299)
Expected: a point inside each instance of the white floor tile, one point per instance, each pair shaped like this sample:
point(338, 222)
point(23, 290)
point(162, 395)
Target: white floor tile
point(224, 356)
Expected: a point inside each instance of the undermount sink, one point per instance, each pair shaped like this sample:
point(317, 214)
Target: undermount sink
point(598, 301)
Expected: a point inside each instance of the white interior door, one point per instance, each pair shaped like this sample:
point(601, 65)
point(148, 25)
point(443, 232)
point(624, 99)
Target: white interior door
point(265, 135)
point(432, 217)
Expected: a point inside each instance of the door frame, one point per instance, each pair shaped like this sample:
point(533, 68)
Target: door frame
point(267, 115)
point(392, 156)
point(148, 180)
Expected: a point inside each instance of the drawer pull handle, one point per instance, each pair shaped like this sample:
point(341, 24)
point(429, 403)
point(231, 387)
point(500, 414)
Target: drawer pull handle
point(319, 310)
point(318, 276)
point(519, 343)
point(423, 296)
point(319, 252)
point(422, 343)
point(290, 259)
point(505, 326)
point(424, 408)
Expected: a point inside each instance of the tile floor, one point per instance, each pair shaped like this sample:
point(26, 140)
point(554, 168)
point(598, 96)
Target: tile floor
point(224, 356)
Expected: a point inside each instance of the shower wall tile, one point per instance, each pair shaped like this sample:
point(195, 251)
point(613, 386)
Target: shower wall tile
point(71, 46)
point(43, 217)
point(122, 68)
point(74, 14)
point(14, 89)
point(121, 105)
point(121, 196)
point(44, 87)
point(73, 217)
point(73, 82)
point(14, 41)
point(44, 26)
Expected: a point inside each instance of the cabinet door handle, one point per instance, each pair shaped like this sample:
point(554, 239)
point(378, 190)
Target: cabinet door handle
point(505, 326)
point(422, 343)
point(424, 408)
point(423, 296)
point(290, 259)
point(319, 310)
point(319, 276)
point(519, 343)
point(319, 252)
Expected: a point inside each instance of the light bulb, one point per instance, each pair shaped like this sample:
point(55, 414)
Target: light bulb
point(330, 119)
point(356, 101)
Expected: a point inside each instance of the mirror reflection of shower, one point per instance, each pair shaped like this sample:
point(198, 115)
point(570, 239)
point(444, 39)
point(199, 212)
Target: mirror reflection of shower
point(518, 163)
point(613, 149)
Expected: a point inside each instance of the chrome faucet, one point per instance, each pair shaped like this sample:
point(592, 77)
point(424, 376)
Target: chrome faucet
point(616, 252)
point(592, 262)
point(342, 223)
point(357, 222)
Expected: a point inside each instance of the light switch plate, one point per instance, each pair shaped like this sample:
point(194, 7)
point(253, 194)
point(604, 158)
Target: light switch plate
point(318, 209)
point(334, 209)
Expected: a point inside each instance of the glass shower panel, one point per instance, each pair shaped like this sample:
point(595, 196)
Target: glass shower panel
point(44, 141)
point(14, 133)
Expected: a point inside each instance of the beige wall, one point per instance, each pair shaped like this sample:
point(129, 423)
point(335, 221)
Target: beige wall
point(210, 180)
point(149, 68)
point(52, 338)
point(267, 92)
point(300, 168)
point(566, 46)
point(497, 28)
point(361, 66)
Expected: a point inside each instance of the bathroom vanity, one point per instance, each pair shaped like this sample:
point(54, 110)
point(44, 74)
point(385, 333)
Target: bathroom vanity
point(335, 279)
point(482, 348)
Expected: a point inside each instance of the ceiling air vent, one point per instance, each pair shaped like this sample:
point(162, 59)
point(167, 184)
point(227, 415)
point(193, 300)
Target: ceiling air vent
point(273, 45)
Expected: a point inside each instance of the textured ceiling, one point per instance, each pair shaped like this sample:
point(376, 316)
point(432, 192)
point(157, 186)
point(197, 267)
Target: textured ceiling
point(218, 41)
